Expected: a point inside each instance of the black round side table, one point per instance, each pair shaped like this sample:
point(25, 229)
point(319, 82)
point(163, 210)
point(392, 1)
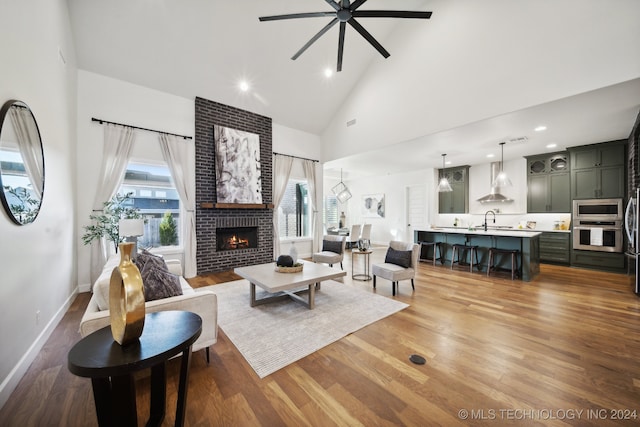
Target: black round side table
point(111, 366)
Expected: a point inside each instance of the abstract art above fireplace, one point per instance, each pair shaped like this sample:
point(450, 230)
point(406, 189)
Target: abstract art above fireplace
point(237, 166)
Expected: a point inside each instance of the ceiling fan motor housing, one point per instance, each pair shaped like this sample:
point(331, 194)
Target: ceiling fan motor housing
point(344, 15)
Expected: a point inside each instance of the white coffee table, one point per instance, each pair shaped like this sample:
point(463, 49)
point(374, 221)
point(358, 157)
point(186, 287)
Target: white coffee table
point(287, 285)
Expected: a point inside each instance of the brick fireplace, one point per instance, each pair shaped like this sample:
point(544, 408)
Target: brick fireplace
point(214, 223)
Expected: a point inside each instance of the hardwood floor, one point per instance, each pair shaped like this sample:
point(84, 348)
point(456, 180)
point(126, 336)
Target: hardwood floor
point(561, 350)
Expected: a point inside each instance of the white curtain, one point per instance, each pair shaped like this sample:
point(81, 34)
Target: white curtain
point(30, 146)
point(118, 141)
point(281, 171)
point(180, 156)
point(309, 167)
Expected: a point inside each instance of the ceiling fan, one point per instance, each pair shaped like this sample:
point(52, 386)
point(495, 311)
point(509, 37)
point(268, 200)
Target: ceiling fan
point(345, 12)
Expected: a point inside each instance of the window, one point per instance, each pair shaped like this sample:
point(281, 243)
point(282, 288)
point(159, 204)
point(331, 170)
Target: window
point(155, 195)
point(293, 212)
point(330, 211)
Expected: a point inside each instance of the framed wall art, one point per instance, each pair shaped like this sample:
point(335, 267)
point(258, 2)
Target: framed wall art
point(237, 163)
point(373, 206)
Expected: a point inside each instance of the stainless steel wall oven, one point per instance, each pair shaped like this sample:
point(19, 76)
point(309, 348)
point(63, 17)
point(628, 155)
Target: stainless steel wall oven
point(597, 225)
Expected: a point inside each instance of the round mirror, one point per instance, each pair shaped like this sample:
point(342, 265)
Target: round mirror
point(21, 162)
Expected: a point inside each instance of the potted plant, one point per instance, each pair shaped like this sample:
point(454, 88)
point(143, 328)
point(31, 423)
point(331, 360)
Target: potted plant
point(106, 223)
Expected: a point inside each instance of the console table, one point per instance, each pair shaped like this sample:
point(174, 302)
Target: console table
point(111, 366)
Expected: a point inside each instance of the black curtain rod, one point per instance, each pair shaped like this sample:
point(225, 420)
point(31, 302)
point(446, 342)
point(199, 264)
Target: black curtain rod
point(93, 119)
point(295, 157)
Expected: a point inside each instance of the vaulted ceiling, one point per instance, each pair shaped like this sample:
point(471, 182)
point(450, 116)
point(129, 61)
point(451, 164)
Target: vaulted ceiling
point(475, 74)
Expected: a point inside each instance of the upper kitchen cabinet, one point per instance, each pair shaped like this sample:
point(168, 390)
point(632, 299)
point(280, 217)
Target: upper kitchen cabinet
point(548, 183)
point(598, 170)
point(456, 201)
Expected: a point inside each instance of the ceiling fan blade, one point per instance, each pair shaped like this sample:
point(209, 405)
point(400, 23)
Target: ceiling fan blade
point(356, 4)
point(314, 38)
point(295, 16)
point(364, 33)
point(391, 14)
point(333, 4)
point(343, 26)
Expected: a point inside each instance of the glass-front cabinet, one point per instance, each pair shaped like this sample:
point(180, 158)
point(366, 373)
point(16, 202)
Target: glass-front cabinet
point(548, 183)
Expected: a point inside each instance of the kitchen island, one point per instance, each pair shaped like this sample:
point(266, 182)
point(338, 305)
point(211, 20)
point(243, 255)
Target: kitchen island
point(527, 242)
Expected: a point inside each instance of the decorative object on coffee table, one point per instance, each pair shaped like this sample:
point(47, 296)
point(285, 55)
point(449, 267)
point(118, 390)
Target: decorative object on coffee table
point(126, 299)
point(287, 264)
point(295, 268)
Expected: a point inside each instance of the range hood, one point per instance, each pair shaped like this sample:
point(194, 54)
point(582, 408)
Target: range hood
point(494, 195)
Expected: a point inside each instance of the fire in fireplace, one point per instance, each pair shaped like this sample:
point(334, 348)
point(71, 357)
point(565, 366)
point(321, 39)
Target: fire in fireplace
point(229, 239)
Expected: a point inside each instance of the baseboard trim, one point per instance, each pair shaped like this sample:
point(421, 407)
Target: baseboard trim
point(13, 379)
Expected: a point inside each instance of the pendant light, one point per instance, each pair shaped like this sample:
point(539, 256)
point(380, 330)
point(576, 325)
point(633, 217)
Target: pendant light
point(443, 185)
point(502, 180)
point(341, 191)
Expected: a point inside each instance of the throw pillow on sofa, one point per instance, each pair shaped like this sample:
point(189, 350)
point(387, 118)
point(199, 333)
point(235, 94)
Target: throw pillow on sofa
point(401, 258)
point(145, 257)
point(332, 246)
point(159, 283)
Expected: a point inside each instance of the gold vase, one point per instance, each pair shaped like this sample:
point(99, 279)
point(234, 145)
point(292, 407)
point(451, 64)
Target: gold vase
point(126, 299)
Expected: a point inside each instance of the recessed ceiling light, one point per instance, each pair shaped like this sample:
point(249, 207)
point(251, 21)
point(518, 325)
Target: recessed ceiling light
point(328, 72)
point(540, 128)
point(552, 145)
point(243, 85)
point(490, 155)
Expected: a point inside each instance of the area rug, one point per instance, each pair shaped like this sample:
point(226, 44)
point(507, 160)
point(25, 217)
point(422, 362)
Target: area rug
point(272, 336)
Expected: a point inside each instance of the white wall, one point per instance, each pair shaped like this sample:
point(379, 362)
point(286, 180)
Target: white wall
point(38, 260)
point(394, 225)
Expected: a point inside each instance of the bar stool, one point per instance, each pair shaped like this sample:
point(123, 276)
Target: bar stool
point(424, 250)
point(515, 271)
point(461, 248)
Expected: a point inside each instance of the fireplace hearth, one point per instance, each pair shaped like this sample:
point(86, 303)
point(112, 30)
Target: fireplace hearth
point(235, 238)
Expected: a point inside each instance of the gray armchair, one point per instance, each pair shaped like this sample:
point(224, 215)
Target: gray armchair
point(400, 264)
point(329, 254)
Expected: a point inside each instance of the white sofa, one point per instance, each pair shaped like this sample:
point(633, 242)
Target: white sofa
point(204, 303)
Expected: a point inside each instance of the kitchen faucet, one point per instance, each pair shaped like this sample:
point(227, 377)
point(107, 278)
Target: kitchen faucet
point(485, 218)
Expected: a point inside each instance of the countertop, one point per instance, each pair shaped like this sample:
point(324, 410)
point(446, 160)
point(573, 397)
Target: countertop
point(507, 232)
point(503, 227)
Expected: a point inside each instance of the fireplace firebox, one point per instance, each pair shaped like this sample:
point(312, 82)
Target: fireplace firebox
point(230, 239)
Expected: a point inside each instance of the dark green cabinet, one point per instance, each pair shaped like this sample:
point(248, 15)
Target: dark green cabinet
point(555, 247)
point(456, 201)
point(548, 183)
point(598, 171)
